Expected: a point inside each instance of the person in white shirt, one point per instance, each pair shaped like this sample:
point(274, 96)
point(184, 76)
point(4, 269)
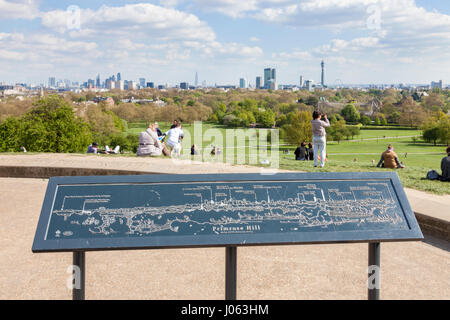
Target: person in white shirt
point(174, 137)
point(319, 123)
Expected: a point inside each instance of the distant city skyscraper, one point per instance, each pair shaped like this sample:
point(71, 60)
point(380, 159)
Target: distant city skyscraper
point(302, 82)
point(119, 76)
point(269, 74)
point(196, 78)
point(131, 85)
point(51, 82)
point(150, 85)
point(184, 85)
point(258, 82)
point(243, 83)
point(322, 79)
point(110, 84)
point(98, 84)
point(437, 84)
point(142, 82)
point(91, 83)
point(120, 85)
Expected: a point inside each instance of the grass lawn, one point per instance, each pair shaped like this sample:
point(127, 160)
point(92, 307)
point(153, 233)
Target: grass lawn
point(418, 157)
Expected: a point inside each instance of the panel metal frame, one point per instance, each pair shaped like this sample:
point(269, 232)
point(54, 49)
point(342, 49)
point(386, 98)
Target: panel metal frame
point(159, 242)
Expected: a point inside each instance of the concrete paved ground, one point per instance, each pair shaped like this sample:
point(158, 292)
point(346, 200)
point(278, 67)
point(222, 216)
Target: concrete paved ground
point(410, 270)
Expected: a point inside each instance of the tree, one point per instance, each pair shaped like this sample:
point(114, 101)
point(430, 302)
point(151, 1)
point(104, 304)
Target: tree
point(365, 120)
point(382, 119)
point(268, 118)
point(350, 113)
point(312, 101)
point(337, 131)
point(353, 131)
point(437, 128)
point(298, 128)
point(50, 127)
point(431, 134)
point(434, 102)
point(411, 114)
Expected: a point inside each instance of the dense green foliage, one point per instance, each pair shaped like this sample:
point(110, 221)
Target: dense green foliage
point(49, 127)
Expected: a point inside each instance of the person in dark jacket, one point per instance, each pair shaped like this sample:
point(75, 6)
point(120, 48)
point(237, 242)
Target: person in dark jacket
point(310, 151)
point(445, 166)
point(300, 152)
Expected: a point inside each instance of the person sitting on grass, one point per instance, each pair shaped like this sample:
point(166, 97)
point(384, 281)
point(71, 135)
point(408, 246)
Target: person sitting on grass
point(149, 144)
point(108, 150)
point(310, 151)
point(445, 166)
point(389, 159)
point(194, 150)
point(174, 137)
point(93, 148)
point(301, 153)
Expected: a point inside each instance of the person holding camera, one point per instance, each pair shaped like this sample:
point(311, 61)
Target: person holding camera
point(319, 123)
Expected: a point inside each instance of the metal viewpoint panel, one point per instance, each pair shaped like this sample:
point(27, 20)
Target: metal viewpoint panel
point(158, 211)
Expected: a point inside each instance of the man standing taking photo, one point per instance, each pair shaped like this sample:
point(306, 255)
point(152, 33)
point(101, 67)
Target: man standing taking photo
point(319, 123)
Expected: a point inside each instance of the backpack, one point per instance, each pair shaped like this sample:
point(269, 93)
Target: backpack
point(432, 175)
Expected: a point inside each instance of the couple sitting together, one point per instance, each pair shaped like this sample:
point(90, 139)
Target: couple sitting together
point(151, 141)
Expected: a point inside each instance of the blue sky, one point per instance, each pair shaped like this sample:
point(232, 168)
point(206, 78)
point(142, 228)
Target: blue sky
point(361, 41)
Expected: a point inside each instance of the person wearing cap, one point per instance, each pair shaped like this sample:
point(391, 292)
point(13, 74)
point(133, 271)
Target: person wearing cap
point(389, 159)
point(93, 148)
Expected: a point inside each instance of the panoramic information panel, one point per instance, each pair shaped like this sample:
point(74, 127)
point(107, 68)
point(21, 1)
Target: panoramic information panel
point(162, 211)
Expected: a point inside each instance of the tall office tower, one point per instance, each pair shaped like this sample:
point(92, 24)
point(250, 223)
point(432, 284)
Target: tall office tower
point(322, 79)
point(119, 76)
point(273, 84)
point(51, 82)
point(91, 83)
point(243, 83)
point(269, 74)
point(309, 85)
point(436, 84)
point(150, 85)
point(267, 77)
point(258, 82)
point(196, 78)
point(302, 82)
point(120, 84)
point(142, 82)
point(113, 78)
point(131, 85)
point(98, 84)
point(110, 84)
point(184, 85)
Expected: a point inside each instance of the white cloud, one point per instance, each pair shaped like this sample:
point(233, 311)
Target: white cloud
point(11, 55)
point(131, 20)
point(43, 47)
point(18, 9)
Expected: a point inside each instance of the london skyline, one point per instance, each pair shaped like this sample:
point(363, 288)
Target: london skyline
point(361, 41)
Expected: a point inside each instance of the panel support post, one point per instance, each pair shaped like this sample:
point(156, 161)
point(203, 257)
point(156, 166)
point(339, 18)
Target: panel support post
point(79, 264)
point(373, 283)
point(230, 272)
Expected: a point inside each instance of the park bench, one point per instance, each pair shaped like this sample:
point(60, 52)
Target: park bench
point(95, 213)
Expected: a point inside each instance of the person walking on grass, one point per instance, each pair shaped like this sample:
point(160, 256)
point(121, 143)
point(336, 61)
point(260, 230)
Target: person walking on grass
point(319, 123)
